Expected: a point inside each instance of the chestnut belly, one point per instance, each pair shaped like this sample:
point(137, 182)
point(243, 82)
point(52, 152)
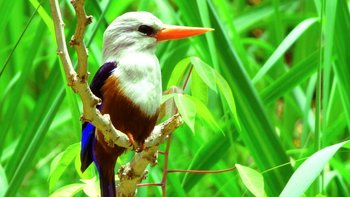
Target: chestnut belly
point(125, 115)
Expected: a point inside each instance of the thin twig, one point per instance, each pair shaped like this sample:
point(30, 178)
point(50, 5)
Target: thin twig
point(187, 78)
point(166, 152)
point(203, 171)
point(149, 184)
point(165, 171)
point(90, 112)
point(78, 38)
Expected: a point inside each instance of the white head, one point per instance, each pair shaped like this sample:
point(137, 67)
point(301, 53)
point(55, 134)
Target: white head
point(131, 31)
point(140, 32)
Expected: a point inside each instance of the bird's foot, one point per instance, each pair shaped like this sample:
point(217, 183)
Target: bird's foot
point(140, 148)
point(136, 146)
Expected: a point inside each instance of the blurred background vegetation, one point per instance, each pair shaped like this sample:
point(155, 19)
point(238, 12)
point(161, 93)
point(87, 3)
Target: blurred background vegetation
point(286, 62)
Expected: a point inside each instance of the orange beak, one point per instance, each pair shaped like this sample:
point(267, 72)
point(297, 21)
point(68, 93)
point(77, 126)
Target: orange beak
point(172, 32)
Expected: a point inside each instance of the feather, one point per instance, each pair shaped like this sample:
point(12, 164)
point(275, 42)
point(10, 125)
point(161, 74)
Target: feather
point(86, 145)
point(88, 130)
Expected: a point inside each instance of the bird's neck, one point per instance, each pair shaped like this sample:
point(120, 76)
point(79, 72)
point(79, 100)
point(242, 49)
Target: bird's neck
point(118, 51)
point(140, 80)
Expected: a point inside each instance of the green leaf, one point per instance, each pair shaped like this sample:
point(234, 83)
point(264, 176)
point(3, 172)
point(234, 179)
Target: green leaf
point(328, 31)
point(61, 162)
point(282, 48)
point(44, 15)
point(166, 97)
point(34, 133)
point(205, 19)
point(205, 158)
point(252, 179)
point(204, 113)
point(309, 171)
point(198, 88)
point(214, 80)
point(92, 187)
point(342, 62)
point(207, 73)
point(68, 190)
point(226, 91)
point(178, 72)
point(295, 76)
point(187, 109)
point(3, 181)
point(257, 133)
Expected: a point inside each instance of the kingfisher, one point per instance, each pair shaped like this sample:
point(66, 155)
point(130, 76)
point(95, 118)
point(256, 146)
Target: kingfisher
point(129, 85)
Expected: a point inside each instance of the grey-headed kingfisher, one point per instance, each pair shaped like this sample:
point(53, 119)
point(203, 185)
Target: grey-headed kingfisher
point(129, 85)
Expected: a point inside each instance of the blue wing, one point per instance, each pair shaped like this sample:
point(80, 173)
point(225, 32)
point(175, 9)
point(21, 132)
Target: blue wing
point(88, 130)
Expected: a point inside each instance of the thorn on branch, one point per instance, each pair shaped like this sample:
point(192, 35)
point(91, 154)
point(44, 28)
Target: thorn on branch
point(59, 52)
point(153, 160)
point(74, 3)
point(144, 176)
point(95, 101)
point(83, 78)
point(62, 24)
point(88, 20)
point(72, 79)
point(125, 172)
point(73, 41)
point(121, 170)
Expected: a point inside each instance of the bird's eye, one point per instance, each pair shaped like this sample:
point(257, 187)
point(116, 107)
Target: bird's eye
point(147, 30)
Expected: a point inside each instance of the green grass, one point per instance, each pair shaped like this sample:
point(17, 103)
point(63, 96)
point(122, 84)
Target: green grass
point(253, 97)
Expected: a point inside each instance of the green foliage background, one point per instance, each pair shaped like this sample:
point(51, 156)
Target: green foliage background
point(276, 91)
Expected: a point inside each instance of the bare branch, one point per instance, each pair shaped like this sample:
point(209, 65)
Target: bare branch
point(203, 171)
point(78, 82)
point(132, 173)
point(61, 43)
point(161, 131)
point(78, 38)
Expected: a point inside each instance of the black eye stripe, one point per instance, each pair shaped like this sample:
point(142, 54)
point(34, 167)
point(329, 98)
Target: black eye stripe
point(145, 29)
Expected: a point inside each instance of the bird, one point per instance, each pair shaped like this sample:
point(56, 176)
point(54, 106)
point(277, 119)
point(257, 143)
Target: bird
point(129, 85)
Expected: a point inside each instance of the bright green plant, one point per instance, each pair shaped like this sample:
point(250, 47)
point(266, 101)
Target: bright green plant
point(268, 89)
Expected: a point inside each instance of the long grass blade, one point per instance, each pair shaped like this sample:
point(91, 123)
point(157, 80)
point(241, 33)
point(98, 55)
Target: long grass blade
point(257, 131)
point(282, 48)
point(309, 171)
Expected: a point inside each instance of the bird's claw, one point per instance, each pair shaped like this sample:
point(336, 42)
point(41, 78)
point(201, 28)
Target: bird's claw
point(136, 146)
point(140, 148)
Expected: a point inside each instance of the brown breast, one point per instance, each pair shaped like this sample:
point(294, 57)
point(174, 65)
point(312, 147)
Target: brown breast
point(125, 115)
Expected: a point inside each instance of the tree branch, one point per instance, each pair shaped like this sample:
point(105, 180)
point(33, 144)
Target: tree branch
point(133, 172)
point(78, 38)
point(78, 82)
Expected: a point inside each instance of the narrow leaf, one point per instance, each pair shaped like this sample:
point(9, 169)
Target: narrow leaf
point(3, 181)
point(204, 113)
point(206, 72)
point(44, 16)
point(178, 72)
point(294, 77)
point(214, 80)
point(252, 179)
point(226, 91)
point(198, 88)
point(187, 109)
point(255, 122)
point(282, 48)
point(61, 162)
point(307, 172)
point(205, 158)
point(68, 190)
